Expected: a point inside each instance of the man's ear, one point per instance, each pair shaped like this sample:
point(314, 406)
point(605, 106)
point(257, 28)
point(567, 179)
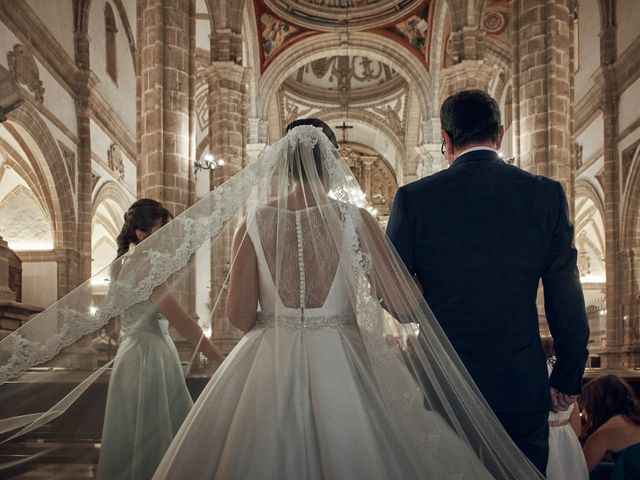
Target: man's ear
point(500, 137)
point(448, 143)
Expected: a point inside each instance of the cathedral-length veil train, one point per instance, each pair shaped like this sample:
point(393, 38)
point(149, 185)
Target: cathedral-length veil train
point(346, 372)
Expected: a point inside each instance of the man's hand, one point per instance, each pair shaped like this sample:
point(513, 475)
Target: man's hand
point(561, 401)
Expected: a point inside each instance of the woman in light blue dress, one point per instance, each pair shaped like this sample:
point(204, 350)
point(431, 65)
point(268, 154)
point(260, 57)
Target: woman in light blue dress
point(148, 397)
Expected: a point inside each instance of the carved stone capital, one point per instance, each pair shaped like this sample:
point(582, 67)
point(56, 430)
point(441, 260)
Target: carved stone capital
point(229, 74)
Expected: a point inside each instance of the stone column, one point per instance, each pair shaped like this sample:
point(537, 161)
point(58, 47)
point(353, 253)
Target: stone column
point(228, 114)
point(166, 42)
point(631, 313)
point(542, 80)
point(616, 351)
point(83, 116)
point(164, 163)
point(6, 294)
point(12, 314)
point(228, 136)
point(68, 262)
point(542, 87)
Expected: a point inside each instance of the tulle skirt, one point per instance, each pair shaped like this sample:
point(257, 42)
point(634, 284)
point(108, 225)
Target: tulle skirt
point(304, 404)
point(147, 402)
point(566, 460)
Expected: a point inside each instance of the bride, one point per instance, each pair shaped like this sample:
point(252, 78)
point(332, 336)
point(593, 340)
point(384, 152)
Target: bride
point(343, 371)
point(318, 387)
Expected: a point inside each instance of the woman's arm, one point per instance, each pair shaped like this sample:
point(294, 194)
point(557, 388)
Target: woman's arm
point(574, 420)
point(242, 298)
point(168, 305)
point(595, 448)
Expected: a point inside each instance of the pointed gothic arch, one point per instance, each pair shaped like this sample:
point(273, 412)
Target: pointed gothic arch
point(34, 134)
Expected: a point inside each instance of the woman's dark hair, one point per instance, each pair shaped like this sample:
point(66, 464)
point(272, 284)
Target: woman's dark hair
point(470, 116)
point(144, 215)
point(606, 397)
point(314, 122)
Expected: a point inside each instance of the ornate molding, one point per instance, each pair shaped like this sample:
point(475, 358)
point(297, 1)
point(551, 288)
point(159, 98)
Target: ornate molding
point(357, 96)
point(115, 161)
point(394, 113)
point(32, 32)
point(24, 69)
point(495, 22)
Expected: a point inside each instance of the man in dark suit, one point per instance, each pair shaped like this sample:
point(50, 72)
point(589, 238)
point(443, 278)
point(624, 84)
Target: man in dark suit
point(478, 237)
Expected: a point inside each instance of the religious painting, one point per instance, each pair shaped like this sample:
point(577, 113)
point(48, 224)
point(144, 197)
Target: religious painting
point(415, 29)
point(274, 33)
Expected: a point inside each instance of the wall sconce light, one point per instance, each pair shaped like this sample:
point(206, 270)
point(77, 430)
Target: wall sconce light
point(209, 163)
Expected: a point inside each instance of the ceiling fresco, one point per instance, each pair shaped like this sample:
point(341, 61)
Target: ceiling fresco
point(327, 15)
point(281, 24)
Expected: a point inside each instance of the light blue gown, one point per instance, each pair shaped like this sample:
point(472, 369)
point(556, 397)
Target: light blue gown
point(147, 399)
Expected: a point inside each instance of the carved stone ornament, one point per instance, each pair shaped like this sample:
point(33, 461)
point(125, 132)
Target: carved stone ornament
point(494, 23)
point(70, 162)
point(25, 70)
point(579, 155)
point(116, 164)
point(94, 181)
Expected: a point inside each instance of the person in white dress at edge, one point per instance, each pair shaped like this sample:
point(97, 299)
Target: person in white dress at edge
point(147, 398)
point(566, 460)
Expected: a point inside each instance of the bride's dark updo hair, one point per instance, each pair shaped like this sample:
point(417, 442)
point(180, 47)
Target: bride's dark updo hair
point(314, 122)
point(143, 214)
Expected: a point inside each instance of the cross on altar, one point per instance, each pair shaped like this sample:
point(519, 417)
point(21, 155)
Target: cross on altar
point(344, 127)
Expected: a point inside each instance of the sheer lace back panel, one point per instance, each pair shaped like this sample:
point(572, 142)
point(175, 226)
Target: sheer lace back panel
point(309, 275)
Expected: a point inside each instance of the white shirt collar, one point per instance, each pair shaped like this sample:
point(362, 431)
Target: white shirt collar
point(473, 149)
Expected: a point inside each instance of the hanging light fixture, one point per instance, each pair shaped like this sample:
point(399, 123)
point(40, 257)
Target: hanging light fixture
point(209, 163)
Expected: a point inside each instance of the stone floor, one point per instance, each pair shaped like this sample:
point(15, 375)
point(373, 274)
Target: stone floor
point(33, 460)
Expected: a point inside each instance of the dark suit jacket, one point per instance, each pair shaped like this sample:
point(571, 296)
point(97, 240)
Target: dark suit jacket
point(479, 236)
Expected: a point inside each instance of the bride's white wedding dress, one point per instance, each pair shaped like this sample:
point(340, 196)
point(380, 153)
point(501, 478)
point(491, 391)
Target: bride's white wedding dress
point(296, 398)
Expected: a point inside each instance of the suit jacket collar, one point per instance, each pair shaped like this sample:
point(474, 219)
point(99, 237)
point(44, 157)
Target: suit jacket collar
point(475, 156)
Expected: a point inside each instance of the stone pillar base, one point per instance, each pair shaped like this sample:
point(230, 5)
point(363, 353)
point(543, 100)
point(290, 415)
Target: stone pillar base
point(616, 358)
point(13, 315)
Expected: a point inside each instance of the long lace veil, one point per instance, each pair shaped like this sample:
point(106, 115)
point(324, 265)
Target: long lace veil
point(53, 369)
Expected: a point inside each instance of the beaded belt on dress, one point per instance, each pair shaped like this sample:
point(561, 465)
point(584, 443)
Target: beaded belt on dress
point(266, 320)
point(558, 423)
